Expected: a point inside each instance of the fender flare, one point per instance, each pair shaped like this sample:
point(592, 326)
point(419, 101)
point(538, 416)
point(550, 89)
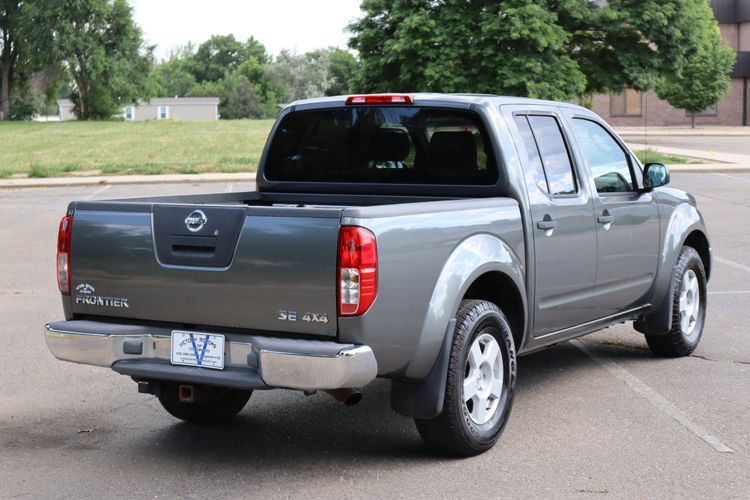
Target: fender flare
point(421, 395)
point(684, 220)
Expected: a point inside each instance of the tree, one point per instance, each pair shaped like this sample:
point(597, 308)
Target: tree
point(217, 56)
point(174, 76)
point(342, 67)
point(561, 49)
point(298, 76)
point(104, 51)
point(26, 46)
point(703, 76)
point(241, 99)
point(253, 48)
point(512, 47)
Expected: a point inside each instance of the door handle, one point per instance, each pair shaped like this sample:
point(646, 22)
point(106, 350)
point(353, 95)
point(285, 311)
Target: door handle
point(546, 224)
point(605, 219)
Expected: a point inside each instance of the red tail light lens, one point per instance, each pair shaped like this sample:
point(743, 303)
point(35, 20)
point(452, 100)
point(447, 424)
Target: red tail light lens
point(357, 270)
point(63, 254)
point(379, 99)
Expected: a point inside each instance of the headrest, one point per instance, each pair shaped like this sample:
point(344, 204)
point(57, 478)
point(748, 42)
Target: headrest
point(389, 144)
point(456, 150)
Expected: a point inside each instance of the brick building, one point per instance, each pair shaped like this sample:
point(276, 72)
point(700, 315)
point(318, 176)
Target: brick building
point(632, 108)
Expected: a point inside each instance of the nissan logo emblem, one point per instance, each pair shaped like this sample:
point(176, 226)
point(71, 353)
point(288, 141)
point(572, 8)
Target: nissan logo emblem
point(196, 221)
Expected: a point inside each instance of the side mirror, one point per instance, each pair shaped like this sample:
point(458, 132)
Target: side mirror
point(655, 175)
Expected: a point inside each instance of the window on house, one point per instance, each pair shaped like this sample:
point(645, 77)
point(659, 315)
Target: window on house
point(129, 113)
point(163, 113)
point(627, 103)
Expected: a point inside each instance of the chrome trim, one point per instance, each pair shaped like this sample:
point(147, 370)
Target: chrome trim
point(352, 366)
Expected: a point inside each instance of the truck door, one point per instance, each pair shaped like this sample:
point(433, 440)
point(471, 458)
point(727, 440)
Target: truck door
point(562, 212)
point(627, 221)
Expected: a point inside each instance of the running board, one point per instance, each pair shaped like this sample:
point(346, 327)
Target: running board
point(572, 332)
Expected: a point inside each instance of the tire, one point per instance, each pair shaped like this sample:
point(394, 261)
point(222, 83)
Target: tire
point(463, 428)
point(688, 308)
point(215, 404)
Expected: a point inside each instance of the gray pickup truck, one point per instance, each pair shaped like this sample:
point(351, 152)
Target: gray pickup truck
point(425, 238)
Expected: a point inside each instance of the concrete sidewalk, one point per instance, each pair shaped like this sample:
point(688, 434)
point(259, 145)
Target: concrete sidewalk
point(713, 157)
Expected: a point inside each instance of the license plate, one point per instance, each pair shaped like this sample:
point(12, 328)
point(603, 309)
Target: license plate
point(198, 349)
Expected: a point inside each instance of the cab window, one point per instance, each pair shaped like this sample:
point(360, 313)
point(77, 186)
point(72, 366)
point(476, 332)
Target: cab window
point(532, 152)
point(607, 161)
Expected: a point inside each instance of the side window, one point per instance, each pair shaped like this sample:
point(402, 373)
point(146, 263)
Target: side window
point(532, 151)
point(607, 160)
point(163, 113)
point(554, 153)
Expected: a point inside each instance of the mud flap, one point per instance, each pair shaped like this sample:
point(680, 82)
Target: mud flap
point(424, 398)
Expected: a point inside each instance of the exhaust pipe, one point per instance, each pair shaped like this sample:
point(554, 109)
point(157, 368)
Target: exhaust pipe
point(347, 397)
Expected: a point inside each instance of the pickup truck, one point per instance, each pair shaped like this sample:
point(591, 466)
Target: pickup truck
point(424, 238)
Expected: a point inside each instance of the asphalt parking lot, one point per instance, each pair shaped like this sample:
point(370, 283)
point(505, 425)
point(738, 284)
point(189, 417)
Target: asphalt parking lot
point(600, 418)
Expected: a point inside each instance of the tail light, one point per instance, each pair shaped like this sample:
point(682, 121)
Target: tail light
point(357, 270)
point(379, 99)
point(63, 254)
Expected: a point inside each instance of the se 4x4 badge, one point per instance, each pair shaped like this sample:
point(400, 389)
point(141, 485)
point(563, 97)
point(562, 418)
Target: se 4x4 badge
point(285, 315)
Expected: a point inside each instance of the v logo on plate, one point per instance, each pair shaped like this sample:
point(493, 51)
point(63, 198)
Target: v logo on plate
point(199, 357)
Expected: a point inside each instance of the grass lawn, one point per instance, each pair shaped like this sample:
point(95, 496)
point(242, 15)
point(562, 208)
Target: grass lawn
point(651, 156)
point(152, 147)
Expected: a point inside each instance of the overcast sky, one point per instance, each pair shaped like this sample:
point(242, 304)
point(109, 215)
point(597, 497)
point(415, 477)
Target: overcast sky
point(293, 24)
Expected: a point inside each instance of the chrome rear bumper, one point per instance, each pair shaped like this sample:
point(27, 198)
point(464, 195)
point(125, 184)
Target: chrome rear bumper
point(250, 362)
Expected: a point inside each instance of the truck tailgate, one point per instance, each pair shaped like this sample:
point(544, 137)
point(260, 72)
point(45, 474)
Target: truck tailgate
point(259, 268)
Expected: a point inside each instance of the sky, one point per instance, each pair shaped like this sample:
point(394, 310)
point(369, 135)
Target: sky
point(298, 25)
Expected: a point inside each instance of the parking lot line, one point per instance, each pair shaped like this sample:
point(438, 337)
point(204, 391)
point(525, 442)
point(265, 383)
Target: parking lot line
point(732, 263)
point(97, 192)
point(654, 398)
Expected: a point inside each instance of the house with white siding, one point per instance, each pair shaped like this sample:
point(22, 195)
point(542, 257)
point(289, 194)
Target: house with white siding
point(160, 108)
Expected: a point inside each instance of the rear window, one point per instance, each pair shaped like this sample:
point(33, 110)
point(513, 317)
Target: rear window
point(381, 144)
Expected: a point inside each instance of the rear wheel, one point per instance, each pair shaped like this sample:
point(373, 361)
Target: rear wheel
point(688, 308)
point(210, 404)
point(480, 385)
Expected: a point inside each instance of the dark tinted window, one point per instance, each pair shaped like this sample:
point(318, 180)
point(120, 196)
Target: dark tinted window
point(381, 144)
point(606, 159)
point(554, 152)
point(535, 161)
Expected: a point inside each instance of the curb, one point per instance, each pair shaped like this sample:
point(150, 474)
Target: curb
point(125, 179)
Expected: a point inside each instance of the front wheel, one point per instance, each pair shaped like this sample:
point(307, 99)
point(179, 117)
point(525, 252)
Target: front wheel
point(211, 405)
point(480, 385)
point(688, 308)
